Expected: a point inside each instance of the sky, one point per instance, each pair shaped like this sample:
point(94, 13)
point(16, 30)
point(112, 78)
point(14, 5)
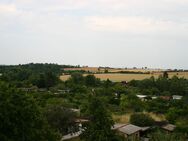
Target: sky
point(114, 33)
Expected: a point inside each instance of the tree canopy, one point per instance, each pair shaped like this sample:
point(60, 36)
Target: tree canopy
point(21, 119)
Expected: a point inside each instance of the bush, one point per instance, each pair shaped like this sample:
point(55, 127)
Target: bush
point(141, 120)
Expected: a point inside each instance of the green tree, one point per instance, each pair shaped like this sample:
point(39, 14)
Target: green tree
point(21, 119)
point(131, 102)
point(142, 120)
point(106, 71)
point(62, 119)
point(174, 113)
point(158, 105)
point(77, 78)
point(90, 80)
point(165, 74)
point(107, 83)
point(99, 127)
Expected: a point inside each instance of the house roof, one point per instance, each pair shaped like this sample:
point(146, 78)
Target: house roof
point(118, 125)
point(129, 129)
point(165, 97)
point(169, 127)
point(81, 120)
point(177, 97)
point(154, 97)
point(145, 128)
point(141, 96)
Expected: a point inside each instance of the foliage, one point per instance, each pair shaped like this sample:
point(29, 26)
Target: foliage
point(165, 74)
point(41, 75)
point(99, 127)
point(159, 136)
point(131, 102)
point(142, 120)
point(174, 113)
point(158, 106)
point(44, 80)
point(77, 78)
point(175, 85)
point(91, 80)
point(61, 118)
point(21, 119)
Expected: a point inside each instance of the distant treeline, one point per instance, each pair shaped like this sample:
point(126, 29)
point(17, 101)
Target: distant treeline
point(40, 75)
point(69, 72)
point(35, 68)
point(176, 70)
point(70, 66)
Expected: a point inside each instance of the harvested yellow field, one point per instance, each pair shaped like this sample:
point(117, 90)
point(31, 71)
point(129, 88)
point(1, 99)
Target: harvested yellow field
point(179, 74)
point(97, 69)
point(135, 70)
point(122, 77)
point(117, 77)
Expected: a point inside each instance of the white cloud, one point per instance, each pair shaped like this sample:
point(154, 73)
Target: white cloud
point(80, 27)
point(52, 5)
point(130, 24)
point(177, 1)
point(7, 8)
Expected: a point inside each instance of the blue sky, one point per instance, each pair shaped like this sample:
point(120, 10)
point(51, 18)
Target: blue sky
point(116, 33)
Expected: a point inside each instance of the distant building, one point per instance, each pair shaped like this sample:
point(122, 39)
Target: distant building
point(81, 120)
point(165, 97)
point(169, 128)
point(177, 97)
point(30, 89)
point(42, 90)
point(75, 110)
point(124, 83)
point(154, 97)
point(142, 97)
point(64, 91)
point(130, 131)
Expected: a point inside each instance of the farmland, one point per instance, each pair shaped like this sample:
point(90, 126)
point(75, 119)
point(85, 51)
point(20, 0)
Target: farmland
point(118, 77)
point(113, 70)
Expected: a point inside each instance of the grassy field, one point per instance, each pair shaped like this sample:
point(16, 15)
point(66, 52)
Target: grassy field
point(126, 117)
point(117, 77)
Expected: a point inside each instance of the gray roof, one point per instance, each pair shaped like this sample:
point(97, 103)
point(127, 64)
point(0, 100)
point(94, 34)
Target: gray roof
point(141, 96)
point(177, 97)
point(71, 136)
point(145, 128)
point(169, 127)
point(129, 129)
point(118, 125)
